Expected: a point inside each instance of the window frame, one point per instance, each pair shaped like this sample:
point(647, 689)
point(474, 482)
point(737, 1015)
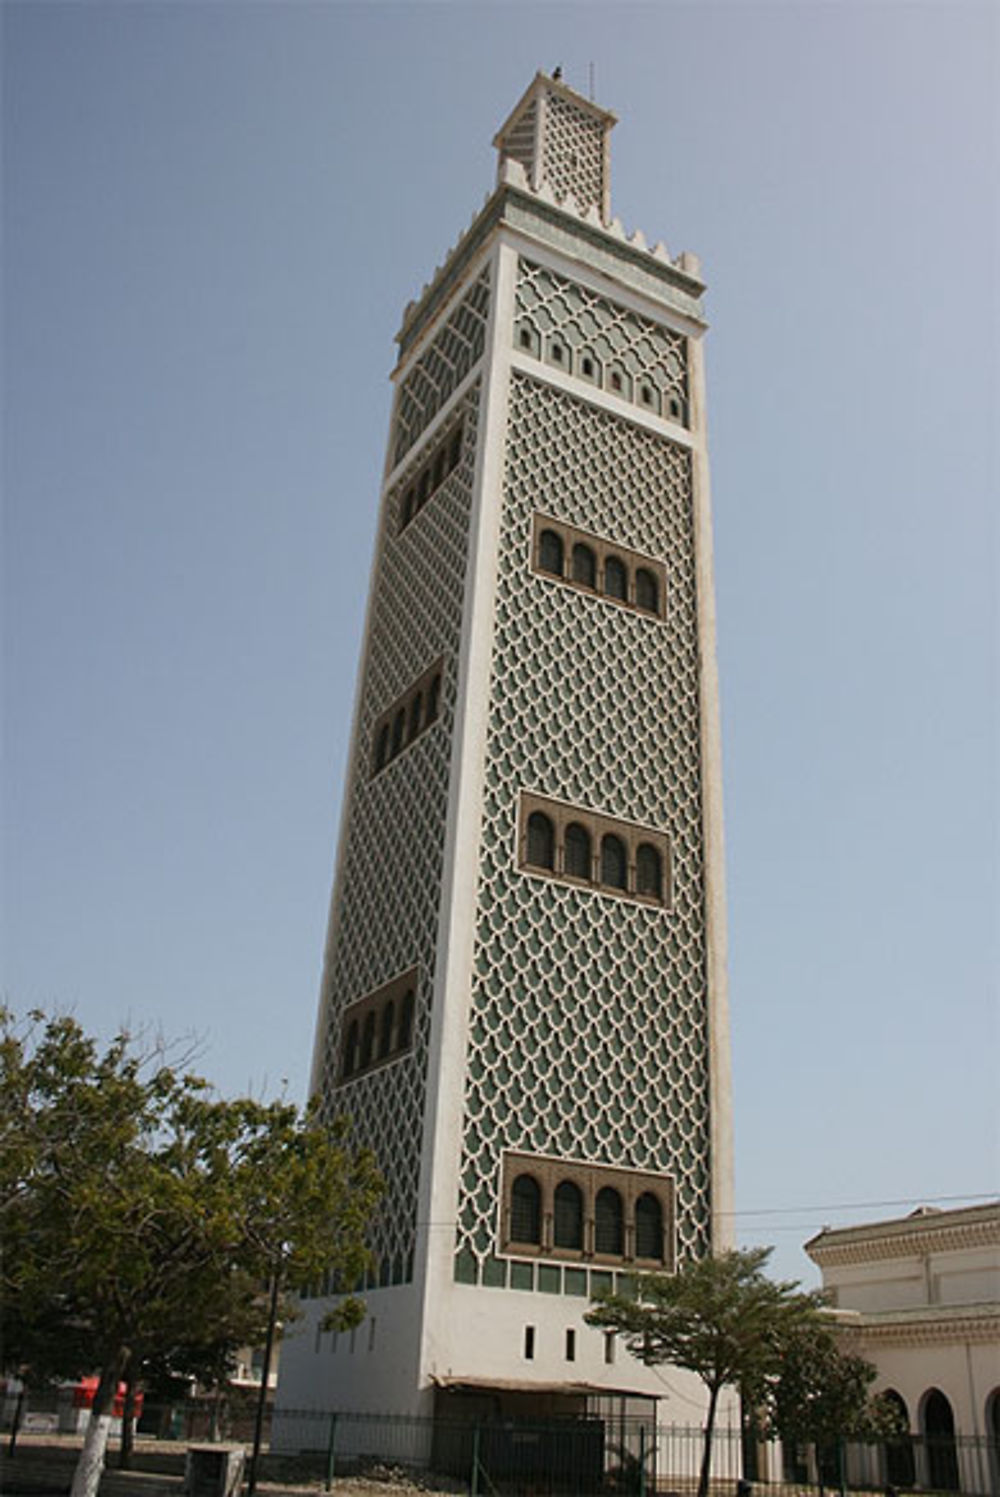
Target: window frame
point(425, 478)
point(603, 549)
point(598, 826)
point(631, 1185)
point(427, 688)
point(372, 1009)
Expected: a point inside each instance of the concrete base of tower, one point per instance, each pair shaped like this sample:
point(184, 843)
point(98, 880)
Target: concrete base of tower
point(498, 1358)
point(373, 1370)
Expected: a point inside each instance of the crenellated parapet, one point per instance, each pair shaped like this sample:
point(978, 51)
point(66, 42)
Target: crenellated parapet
point(541, 213)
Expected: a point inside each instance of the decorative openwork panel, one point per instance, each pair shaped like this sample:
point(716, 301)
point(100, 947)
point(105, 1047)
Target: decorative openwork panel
point(588, 1025)
point(573, 151)
point(440, 370)
point(390, 883)
point(600, 342)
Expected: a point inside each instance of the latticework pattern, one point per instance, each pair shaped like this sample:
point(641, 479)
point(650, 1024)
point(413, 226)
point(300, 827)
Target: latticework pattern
point(437, 373)
point(390, 882)
point(610, 335)
point(573, 151)
point(588, 1028)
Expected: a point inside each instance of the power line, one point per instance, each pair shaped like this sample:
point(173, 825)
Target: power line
point(796, 1210)
point(857, 1205)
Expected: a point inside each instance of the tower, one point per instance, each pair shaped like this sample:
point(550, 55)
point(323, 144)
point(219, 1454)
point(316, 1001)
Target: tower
point(523, 1005)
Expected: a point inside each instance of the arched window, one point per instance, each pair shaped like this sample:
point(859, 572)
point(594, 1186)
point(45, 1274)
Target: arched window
point(609, 1235)
point(351, 1049)
point(367, 1039)
point(526, 1210)
point(406, 1020)
point(900, 1468)
point(615, 578)
point(416, 708)
point(648, 870)
point(647, 590)
point(541, 841)
point(550, 553)
point(433, 699)
point(939, 1437)
point(567, 1230)
point(649, 1227)
point(584, 565)
point(590, 367)
point(385, 1030)
point(614, 866)
point(398, 729)
point(993, 1436)
point(577, 851)
point(382, 747)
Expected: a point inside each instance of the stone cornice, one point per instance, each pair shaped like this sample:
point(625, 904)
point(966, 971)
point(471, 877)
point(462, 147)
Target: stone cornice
point(961, 1324)
point(911, 1236)
point(514, 203)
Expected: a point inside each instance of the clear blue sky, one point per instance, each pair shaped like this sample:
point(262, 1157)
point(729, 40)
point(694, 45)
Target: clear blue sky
point(213, 216)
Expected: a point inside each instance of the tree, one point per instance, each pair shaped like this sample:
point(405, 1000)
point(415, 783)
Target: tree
point(820, 1396)
point(142, 1217)
point(821, 1393)
point(719, 1317)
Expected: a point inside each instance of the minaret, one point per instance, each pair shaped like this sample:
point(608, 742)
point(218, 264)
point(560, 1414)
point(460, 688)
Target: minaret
point(524, 1005)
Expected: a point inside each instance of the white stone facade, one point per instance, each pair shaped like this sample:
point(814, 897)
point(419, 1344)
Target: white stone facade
point(920, 1299)
point(493, 1011)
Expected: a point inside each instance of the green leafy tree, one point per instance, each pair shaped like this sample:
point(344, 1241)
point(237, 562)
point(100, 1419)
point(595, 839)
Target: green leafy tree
point(821, 1392)
point(720, 1318)
point(821, 1396)
point(142, 1216)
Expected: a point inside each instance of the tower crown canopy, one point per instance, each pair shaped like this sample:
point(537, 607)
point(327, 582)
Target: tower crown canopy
point(562, 139)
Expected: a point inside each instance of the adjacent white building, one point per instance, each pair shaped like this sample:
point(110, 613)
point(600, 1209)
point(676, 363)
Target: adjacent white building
point(524, 1003)
point(926, 1292)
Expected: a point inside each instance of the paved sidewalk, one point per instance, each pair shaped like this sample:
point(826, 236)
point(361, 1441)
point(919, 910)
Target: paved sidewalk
point(43, 1467)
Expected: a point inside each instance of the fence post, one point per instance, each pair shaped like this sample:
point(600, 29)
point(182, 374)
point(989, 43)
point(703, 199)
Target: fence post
point(330, 1448)
point(642, 1460)
point(842, 1466)
point(474, 1483)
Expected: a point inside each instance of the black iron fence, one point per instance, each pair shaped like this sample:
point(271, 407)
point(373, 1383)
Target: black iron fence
point(586, 1456)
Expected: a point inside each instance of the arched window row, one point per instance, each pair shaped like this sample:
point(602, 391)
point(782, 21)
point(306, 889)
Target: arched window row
point(379, 1027)
point(594, 565)
point(429, 477)
point(407, 718)
point(652, 390)
point(583, 848)
point(556, 1209)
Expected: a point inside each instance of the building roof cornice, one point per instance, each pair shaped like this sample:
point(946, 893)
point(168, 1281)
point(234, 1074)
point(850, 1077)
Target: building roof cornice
point(902, 1237)
point(514, 202)
point(925, 1325)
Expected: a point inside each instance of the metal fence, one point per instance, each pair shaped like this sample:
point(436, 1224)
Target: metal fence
point(586, 1456)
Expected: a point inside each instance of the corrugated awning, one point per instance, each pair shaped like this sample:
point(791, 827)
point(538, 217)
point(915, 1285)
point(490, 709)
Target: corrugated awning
point(521, 1385)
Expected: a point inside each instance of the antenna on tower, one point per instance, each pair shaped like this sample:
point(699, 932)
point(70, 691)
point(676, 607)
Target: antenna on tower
point(591, 67)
